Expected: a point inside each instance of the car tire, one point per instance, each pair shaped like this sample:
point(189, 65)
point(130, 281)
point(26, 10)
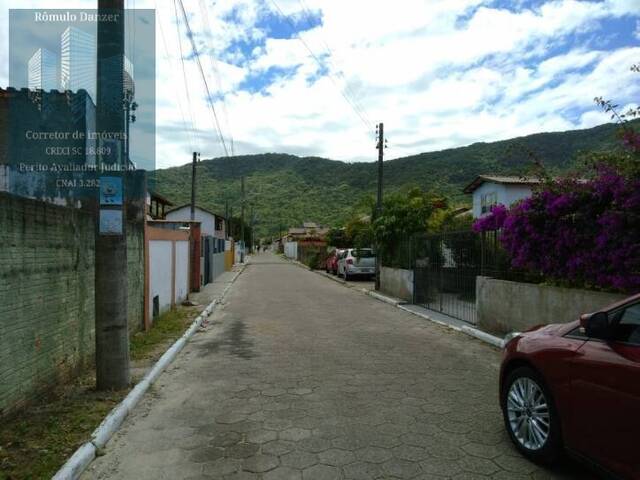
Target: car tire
point(347, 277)
point(549, 451)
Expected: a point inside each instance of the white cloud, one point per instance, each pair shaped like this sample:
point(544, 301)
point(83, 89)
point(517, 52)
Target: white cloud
point(439, 73)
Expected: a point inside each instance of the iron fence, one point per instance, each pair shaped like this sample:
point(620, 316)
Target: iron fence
point(445, 267)
point(445, 270)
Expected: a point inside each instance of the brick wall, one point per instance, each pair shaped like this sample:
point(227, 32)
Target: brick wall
point(47, 295)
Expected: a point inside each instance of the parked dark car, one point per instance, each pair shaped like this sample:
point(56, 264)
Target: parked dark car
point(331, 264)
point(576, 386)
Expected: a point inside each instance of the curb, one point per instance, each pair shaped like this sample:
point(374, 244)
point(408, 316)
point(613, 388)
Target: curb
point(484, 336)
point(472, 332)
point(86, 453)
point(384, 298)
point(432, 320)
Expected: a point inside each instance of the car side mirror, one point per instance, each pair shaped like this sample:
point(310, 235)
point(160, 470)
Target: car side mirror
point(596, 325)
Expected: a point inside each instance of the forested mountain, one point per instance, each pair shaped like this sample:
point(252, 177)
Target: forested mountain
point(287, 190)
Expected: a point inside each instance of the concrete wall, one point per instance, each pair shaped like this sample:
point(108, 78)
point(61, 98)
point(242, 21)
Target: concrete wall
point(47, 313)
point(291, 250)
point(505, 306)
point(397, 282)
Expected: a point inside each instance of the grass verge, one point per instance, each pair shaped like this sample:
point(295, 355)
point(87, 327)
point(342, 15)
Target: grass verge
point(36, 442)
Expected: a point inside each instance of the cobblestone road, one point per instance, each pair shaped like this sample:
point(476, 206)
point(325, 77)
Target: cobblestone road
point(299, 377)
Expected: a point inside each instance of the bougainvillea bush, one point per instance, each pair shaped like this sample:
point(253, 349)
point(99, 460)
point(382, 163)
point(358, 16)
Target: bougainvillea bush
point(578, 232)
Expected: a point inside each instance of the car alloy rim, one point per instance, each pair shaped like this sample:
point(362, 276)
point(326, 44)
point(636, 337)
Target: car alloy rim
point(528, 413)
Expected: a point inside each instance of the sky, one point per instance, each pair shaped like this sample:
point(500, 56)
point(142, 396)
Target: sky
point(314, 77)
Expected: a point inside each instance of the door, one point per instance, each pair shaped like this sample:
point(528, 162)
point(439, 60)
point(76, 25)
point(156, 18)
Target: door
point(606, 396)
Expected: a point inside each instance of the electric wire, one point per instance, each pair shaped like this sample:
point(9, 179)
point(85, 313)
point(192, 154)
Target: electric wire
point(216, 74)
point(204, 78)
point(319, 62)
point(184, 72)
point(338, 72)
point(170, 60)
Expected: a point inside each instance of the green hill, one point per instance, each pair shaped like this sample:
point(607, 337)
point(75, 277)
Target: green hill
point(287, 190)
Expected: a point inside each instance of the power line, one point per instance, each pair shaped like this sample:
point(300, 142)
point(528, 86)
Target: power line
point(181, 108)
point(330, 55)
point(216, 73)
point(360, 115)
point(184, 71)
point(204, 78)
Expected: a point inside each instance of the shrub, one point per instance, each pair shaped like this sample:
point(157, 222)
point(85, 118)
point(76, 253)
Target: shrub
point(584, 233)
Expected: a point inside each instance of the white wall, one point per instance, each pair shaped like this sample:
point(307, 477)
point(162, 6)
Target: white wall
point(291, 250)
point(207, 221)
point(182, 271)
point(506, 195)
point(160, 274)
point(514, 193)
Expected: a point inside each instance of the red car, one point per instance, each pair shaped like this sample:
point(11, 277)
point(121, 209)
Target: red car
point(331, 265)
point(576, 386)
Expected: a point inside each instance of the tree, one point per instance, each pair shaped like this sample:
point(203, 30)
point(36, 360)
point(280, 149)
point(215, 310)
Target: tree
point(359, 231)
point(337, 237)
point(404, 215)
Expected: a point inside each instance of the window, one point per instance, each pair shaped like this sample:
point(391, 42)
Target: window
point(628, 324)
point(487, 201)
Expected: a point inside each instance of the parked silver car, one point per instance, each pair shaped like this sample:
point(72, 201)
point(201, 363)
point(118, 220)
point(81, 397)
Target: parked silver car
point(356, 262)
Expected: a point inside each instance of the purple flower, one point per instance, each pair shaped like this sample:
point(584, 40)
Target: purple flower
point(587, 233)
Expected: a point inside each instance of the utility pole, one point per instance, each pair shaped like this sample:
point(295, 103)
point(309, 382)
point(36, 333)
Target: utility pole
point(111, 289)
point(242, 219)
point(196, 157)
point(226, 218)
point(251, 225)
point(380, 146)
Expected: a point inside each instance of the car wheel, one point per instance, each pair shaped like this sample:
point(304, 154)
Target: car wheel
point(530, 416)
point(347, 277)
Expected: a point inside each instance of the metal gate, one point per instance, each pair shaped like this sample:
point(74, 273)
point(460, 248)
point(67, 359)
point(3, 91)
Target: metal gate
point(445, 270)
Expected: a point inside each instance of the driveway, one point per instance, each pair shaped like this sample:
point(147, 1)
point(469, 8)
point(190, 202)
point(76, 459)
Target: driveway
point(298, 377)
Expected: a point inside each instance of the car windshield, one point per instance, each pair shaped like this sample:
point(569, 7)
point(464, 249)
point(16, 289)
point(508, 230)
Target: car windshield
point(363, 253)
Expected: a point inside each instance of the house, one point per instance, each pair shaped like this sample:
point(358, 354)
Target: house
point(490, 190)
point(213, 225)
point(309, 231)
point(309, 236)
point(157, 205)
point(213, 242)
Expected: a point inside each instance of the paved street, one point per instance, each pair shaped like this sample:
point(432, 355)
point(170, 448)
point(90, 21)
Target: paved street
point(298, 377)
